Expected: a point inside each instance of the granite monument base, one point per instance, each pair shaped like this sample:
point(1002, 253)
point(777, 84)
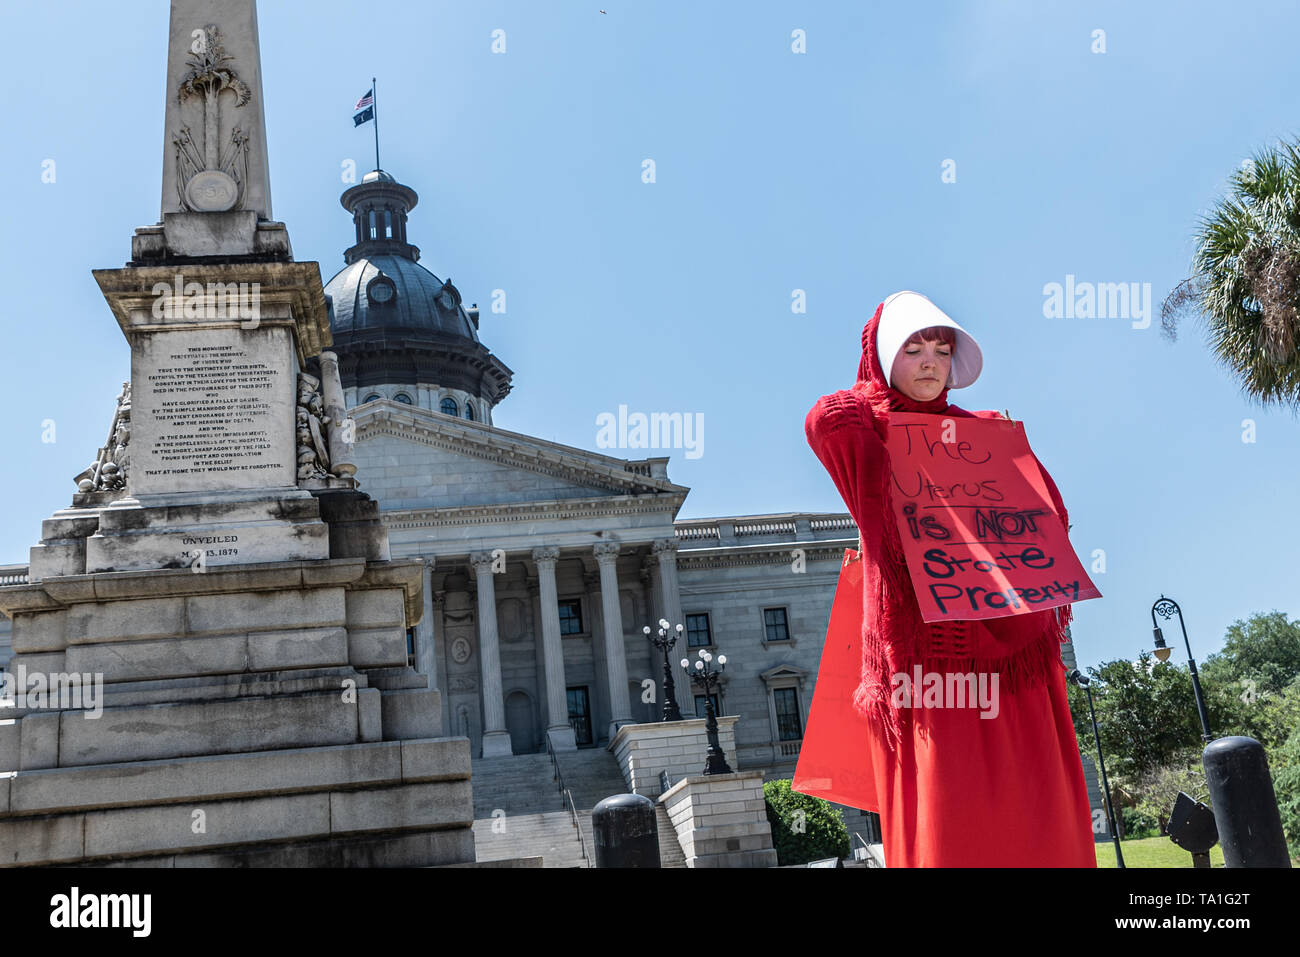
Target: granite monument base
point(247, 715)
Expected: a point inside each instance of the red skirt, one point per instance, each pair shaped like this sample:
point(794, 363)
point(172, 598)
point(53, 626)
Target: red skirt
point(962, 790)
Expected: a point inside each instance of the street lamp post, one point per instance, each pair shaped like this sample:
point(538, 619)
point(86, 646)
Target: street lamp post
point(664, 642)
point(1083, 682)
point(1165, 608)
point(707, 679)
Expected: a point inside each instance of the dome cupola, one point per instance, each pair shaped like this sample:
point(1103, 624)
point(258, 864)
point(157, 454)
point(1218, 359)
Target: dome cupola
point(400, 332)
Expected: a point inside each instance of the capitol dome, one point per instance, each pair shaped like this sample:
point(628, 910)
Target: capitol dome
point(400, 332)
point(391, 291)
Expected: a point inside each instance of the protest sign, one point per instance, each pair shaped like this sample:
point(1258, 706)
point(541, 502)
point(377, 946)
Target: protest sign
point(980, 533)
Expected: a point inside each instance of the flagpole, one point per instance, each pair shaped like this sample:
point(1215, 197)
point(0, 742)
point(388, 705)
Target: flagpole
point(374, 92)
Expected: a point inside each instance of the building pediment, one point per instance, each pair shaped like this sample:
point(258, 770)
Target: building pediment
point(783, 671)
point(411, 458)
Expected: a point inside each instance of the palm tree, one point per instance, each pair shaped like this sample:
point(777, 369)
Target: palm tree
point(1246, 277)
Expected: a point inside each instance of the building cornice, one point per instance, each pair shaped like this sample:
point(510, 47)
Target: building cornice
point(768, 553)
point(550, 510)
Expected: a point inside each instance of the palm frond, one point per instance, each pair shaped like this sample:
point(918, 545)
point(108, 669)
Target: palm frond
point(1245, 278)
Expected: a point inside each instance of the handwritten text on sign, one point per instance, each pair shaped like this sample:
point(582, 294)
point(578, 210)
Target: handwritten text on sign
point(980, 534)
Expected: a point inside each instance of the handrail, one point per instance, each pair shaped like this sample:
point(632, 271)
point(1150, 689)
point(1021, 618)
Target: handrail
point(577, 823)
point(567, 797)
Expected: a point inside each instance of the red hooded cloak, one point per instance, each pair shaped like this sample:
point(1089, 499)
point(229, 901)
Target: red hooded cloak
point(952, 788)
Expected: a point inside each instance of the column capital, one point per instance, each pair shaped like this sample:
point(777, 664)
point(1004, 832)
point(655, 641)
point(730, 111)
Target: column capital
point(430, 564)
point(606, 552)
point(665, 545)
point(439, 595)
point(547, 554)
point(481, 560)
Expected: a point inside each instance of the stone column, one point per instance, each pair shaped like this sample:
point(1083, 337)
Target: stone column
point(439, 645)
point(665, 552)
point(426, 661)
point(341, 439)
point(557, 701)
point(496, 740)
point(620, 710)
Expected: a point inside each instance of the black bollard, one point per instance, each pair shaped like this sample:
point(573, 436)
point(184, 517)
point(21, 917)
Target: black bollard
point(1245, 808)
point(626, 832)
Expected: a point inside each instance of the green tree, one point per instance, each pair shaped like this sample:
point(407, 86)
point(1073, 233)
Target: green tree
point(1264, 650)
point(1146, 711)
point(1245, 278)
point(1284, 764)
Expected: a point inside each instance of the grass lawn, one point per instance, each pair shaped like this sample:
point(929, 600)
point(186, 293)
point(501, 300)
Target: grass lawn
point(1152, 852)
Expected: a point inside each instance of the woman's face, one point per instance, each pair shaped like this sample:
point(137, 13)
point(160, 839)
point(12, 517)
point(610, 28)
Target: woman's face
point(921, 369)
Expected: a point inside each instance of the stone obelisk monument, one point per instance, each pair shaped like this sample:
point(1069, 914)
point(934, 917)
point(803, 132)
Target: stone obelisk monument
point(212, 646)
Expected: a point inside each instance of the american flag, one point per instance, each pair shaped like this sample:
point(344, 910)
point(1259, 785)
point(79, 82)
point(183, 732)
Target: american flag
point(366, 100)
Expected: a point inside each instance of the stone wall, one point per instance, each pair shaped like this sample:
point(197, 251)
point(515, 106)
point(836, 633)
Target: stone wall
point(721, 820)
point(678, 747)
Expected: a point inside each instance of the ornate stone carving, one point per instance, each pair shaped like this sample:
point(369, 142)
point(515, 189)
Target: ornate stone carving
point(210, 178)
point(313, 453)
point(606, 551)
point(546, 553)
point(460, 651)
point(109, 470)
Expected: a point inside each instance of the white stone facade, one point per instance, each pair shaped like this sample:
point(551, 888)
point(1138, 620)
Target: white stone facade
point(549, 531)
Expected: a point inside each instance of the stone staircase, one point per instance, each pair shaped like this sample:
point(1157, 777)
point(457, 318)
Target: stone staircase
point(593, 774)
point(535, 821)
point(670, 849)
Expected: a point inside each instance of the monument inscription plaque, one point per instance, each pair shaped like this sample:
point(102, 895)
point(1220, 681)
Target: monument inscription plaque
point(214, 410)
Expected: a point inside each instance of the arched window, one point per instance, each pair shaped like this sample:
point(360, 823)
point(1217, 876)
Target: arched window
point(403, 397)
point(372, 397)
point(469, 411)
point(449, 407)
point(373, 233)
point(388, 224)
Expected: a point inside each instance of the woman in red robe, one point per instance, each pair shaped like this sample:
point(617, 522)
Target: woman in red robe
point(953, 789)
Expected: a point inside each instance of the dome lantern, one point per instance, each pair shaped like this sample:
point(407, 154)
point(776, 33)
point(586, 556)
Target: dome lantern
point(379, 206)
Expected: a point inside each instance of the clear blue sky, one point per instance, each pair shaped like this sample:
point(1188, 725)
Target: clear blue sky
point(775, 172)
